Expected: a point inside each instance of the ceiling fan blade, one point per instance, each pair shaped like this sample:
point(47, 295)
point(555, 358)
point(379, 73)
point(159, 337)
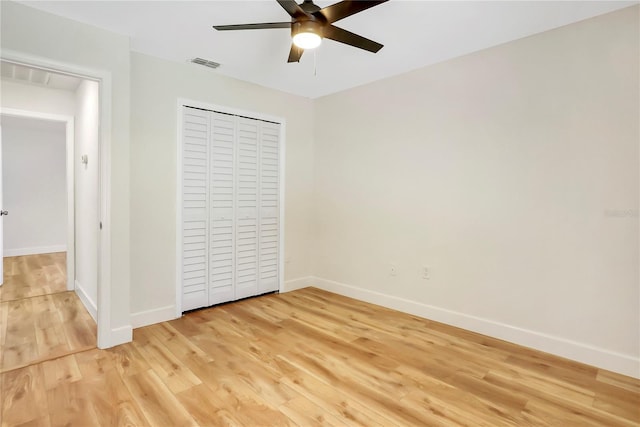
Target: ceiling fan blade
point(341, 10)
point(261, 26)
point(292, 8)
point(347, 37)
point(295, 53)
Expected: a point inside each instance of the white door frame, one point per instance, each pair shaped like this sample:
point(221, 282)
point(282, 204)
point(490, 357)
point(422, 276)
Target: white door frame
point(183, 102)
point(70, 173)
point(103, 78)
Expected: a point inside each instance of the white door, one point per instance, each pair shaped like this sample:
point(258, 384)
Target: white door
point(247, 208)
point(221, 223)
point(195, 207)
point(269, 208)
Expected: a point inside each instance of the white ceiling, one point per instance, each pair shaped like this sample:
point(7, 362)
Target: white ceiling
point(415, 34)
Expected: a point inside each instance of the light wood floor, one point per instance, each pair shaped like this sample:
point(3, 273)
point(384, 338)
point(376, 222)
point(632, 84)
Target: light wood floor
point(33, 275)
point(310, 358)
point(43, 328)
point(39, 319)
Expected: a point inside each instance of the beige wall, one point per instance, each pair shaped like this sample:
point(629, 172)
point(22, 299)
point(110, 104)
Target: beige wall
point(512, 173)
point(156, 86)
point(57, 39)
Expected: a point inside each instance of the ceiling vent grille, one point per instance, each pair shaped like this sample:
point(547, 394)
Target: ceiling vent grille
point(205, 62)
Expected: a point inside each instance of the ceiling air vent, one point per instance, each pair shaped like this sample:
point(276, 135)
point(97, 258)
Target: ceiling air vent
point(205, 62)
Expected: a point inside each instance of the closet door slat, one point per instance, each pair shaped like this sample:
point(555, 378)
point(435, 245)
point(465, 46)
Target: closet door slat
point(195, 208)
point(269, 208)
point(221, 216)
point(247, 186)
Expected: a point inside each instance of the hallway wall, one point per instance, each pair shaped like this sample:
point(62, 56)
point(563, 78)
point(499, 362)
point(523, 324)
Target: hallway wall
point(34, 186)
point(86, 194)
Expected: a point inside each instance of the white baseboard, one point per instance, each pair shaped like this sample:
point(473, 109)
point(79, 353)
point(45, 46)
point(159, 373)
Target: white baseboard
point(299, 283)
point(34, 250)
point(88, 303)
point(149, 317)
point(585, 353)
point(116, 336)
point(121, 335)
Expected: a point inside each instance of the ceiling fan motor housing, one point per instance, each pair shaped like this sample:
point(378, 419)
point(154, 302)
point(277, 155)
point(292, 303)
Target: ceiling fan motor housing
point(309, 26)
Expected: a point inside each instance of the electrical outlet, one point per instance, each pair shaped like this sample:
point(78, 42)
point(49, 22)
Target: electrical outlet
point(393, 269)
point(426, 272)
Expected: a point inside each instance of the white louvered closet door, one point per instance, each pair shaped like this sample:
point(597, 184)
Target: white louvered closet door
point(269, 208)
point(195, 208)
point(221, 214)
point(247, 208)
point(230, 213)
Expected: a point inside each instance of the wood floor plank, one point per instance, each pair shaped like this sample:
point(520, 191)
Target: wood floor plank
point(620, 405)
point(166, 365)
point(71, 405)
point(111, 401)
point(617, 380)
point(335, 403)
point(305, 413)
point(52, 340)
point(24, 396)
point(95, 363)
point(128, 360)
point(261, 382)
point(4, 317)
point(156, 401)
point(569, 414)
point(544, 386)
point(33, 275)
point(40, 422)
point(250, 408)
point(62, 370)
point(181, 346)
point(206, 408)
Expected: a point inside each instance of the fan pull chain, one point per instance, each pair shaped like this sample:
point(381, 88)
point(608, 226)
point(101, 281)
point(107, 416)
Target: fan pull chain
point(315, 63)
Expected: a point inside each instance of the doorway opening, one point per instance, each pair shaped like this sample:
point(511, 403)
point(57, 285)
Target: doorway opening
point(50, 131)
point(37, 187)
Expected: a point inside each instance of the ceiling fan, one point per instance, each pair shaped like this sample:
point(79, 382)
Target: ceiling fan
point(310, 24)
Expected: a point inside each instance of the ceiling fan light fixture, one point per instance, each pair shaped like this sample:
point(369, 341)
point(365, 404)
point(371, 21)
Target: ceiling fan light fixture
point(307, 34)
point(307, 40)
